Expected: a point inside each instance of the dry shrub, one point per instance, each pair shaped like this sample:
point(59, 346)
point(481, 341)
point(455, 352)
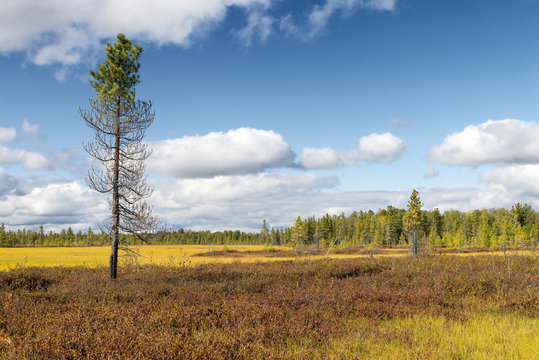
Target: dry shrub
point(31, 279)
point(243, 311)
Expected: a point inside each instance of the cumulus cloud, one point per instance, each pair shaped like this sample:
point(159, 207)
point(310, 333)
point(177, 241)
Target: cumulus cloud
point(431, 173)
point(56, 205)
point(240, 151)
point(242, 201)
point(65, 32)
point(383, 148)
point(521, 179)
point(8, 183)
point(70, 32)
point(380, 147)
point(319, 16)
point(236, 187)
point(501, 188)
point(505, 186)
point(7, 134)
point(29, 160)
point(325, 158)
point(216, 203)
point(505, 142)
point(29, 128)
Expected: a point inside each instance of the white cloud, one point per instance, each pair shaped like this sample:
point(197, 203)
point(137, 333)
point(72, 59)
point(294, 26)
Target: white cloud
point(29, 128)
point(240, 151)
point(70, 32)
point(29, 160)
point(242, 201)
point(259, 25)
point(492, 142)
point(325, 158)
point(8, 183)
point(319, 16)
point(222, 202)
point(7, 134)
point(505, 186)
point(64, 32)
point(380, 4)
point(234, 188)
point(521, 179)
point(380, 147)
point(501, 188)
point(431, 173)
point(384, 148)
point(56, 205)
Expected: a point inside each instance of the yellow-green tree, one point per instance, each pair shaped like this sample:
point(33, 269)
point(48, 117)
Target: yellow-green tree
point(297, 236)
point(264, 232)
point(412, 222)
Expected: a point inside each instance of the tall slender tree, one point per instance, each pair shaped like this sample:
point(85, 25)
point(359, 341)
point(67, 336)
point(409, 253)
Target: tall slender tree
point(264, 232)
point(119, 122)
point(412, 221)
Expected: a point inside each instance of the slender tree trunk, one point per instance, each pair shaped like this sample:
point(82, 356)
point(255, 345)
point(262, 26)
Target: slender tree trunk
point(415, 245)
point(115, 233)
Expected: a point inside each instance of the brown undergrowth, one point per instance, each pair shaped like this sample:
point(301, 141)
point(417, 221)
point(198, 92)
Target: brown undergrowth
point(246, 311)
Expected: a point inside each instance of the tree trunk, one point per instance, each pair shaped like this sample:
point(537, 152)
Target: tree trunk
point(115, 233)
point(415, 245)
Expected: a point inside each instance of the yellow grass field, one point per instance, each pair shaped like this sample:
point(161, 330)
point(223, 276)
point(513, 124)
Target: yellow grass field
point(149, 254)
point(168, 255)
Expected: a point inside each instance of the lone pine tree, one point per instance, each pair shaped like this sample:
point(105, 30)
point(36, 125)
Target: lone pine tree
point(119, 122)
point(412, 221)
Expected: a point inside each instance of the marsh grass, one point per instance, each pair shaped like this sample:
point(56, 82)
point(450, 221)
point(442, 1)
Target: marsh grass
point(99, 255)
point(386, 307)
point(200, 254)
point(483, 335)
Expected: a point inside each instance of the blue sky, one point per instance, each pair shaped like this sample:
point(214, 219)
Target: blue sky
point(278, 108)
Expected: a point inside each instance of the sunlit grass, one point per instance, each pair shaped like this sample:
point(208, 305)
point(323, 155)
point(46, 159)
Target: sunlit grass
point(482, 336)
point(99, 255)
point(174, 255)
point(148, 254)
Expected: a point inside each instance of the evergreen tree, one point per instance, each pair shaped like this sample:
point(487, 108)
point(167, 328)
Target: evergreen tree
point(412, 221)
point(3, 237)
point(297, 233)
point(264, 232)
point(119, 122)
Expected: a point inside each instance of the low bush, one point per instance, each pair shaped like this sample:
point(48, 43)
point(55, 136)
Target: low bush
point(286, 309)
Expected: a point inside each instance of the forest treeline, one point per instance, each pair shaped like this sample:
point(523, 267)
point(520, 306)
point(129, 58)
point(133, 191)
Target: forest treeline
point(494, 228)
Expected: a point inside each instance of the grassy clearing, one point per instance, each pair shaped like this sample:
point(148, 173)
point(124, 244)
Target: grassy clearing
point(381, 308)
point(99, 255)
point(192, 254)
point(481, 336)
point(165, 255)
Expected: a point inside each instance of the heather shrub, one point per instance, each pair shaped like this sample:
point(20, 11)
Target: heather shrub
point(285, 309)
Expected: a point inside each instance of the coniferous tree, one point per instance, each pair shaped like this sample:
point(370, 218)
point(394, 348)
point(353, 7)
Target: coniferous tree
point(412, 221)
point(264, 232)
point(297, 233)
point(119, 122)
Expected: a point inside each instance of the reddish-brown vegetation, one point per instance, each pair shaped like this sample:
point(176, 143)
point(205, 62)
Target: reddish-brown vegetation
point(246, 311)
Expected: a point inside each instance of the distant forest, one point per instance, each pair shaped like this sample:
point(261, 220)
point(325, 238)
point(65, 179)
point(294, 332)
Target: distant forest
point(495, 228)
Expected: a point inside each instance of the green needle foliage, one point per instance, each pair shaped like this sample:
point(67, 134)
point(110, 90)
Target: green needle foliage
point(119, 122)
point(412, 221)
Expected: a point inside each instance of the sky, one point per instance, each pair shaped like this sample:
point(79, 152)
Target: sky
point(273, 109)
